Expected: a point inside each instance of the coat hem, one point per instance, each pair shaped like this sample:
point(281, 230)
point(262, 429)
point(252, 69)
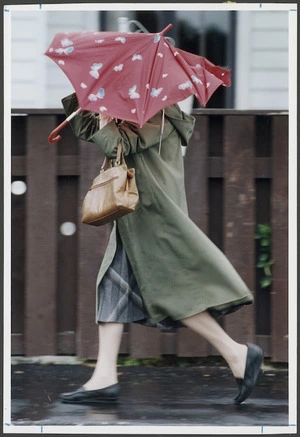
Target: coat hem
point(226, 307)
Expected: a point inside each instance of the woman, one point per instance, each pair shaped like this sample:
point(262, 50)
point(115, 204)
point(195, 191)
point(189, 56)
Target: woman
point(159, 268)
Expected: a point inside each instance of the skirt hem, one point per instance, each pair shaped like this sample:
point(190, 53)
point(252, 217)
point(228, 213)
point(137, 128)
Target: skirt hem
point(120, 300)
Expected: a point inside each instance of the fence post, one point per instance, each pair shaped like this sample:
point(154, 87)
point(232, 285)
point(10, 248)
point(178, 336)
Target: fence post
point(41, 236)
point(239, 214)
point(279, 209)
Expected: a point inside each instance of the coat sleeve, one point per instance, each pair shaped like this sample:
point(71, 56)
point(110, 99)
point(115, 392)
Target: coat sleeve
point(135, 139)
point(182, 122)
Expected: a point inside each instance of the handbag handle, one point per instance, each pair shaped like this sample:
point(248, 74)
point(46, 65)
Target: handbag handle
point(118, 159)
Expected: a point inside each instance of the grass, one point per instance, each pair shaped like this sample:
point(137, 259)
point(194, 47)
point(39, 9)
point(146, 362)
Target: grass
point(170, 361)
point(173, 361)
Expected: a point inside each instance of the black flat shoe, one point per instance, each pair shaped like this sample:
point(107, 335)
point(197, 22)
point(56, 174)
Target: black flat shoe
point(105, 395)
point(254, 361)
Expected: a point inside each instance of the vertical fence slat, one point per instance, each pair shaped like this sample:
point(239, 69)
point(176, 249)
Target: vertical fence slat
point(67, 203)
point(41, 234)
point(18, 172)
point(91, 248)
point(239, 214)
point(188, 343)
point(279, 207)
point(145, 342)
point(18, 271)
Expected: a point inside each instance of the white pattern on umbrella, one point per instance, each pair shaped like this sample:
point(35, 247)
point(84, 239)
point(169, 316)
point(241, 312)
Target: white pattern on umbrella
point(132, 93)
point(155, 92)
point(137, 57)
point(118, 67)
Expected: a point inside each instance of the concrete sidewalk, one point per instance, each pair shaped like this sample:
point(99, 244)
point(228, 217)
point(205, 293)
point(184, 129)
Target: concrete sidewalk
point(193, 395)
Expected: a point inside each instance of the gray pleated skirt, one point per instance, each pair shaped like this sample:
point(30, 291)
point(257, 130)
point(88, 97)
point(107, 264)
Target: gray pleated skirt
point(120, 299)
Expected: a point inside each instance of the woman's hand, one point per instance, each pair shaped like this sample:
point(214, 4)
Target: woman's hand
point(104, 120)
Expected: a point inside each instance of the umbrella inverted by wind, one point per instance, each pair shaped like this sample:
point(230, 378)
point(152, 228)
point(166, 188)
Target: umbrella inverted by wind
point(131, 76)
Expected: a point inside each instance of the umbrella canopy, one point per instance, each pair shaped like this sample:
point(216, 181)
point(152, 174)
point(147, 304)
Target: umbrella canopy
point(132, 76)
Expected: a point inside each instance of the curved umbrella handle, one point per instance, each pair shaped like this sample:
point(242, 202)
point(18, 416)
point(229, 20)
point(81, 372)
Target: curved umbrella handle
point(54, 137)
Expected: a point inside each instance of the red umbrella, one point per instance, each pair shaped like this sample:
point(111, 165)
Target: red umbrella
point(131, 76)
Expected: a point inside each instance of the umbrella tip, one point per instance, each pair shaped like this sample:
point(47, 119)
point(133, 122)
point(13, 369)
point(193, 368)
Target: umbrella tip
point(166, 29)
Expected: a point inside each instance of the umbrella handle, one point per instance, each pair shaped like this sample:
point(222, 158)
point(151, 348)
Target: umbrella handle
point(166, 29)
point(53, 137)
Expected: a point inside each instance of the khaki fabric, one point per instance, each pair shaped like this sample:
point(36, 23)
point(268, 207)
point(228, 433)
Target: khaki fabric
point(179, 271)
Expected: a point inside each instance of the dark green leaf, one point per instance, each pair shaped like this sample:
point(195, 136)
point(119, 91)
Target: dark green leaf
point(261, 264)
point(267, 271)
point(265, 282)
point(265, 242)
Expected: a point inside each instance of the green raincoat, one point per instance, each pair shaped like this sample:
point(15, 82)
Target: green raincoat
point(179, 271)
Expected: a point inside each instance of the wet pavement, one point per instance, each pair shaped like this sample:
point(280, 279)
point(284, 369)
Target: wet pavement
point(193, 395)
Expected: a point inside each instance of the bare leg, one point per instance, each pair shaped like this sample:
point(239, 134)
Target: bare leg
point(105, 373)
point(234, 353)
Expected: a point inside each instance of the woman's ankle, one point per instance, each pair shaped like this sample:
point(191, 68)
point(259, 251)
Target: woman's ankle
point(237, 361)
point(99, 382)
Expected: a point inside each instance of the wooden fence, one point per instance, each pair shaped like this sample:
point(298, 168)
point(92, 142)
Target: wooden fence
point(236, 178)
